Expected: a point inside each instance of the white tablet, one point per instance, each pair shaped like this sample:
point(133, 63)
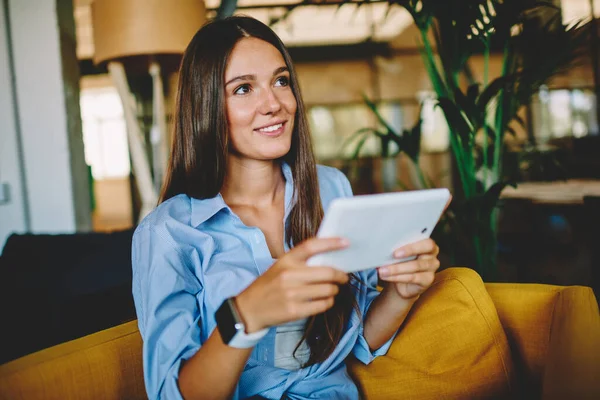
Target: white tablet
point(378, 224)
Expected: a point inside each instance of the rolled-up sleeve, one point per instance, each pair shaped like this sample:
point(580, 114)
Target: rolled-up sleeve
point(164, 291)
point(367, 293)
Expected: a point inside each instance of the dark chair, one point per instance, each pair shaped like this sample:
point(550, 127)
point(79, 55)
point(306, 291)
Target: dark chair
point(55, 288)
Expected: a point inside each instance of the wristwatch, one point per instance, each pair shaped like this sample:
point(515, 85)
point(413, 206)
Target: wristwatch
point(232, 328)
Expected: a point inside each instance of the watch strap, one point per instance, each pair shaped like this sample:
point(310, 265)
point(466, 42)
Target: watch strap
point(243, 340)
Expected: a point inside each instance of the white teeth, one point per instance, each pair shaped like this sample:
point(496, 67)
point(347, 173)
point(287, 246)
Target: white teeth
point(271, 128)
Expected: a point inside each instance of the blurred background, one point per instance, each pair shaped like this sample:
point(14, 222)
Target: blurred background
point(496, 100)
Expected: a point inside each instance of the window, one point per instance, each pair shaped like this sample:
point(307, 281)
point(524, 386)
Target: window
point(564, 113)
point(104, 133)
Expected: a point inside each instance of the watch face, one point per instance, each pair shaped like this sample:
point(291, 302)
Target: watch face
point(228, 321)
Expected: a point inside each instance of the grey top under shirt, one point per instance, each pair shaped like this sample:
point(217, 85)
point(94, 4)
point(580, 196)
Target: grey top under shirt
point(287, 338)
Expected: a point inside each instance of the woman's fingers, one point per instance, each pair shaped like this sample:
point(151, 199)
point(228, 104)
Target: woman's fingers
point(423, 263)
point(303, 275)
point(307, 300)
point(424, 279)
point(426, 246)
point(308, 275)
point(314, 307)
point(315, 246)
point(314, 292)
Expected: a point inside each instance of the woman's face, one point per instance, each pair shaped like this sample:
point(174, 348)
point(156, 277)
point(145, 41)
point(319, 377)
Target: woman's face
point(260, 103)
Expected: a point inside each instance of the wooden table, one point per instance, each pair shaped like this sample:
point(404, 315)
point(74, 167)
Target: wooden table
point(557, 192)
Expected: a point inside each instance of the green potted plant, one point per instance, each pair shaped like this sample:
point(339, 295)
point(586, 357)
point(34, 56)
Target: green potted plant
point(535, 46)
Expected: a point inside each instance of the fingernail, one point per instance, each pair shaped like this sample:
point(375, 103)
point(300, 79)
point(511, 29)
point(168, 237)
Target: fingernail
point(384, 271)
point(344, 242)
point(399, 253)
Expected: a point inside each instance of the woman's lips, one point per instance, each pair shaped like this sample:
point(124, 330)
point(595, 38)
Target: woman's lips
point(272, 130)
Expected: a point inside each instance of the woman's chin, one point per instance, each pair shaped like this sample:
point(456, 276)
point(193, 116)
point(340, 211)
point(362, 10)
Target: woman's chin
point(273, 151)
point(273, 155)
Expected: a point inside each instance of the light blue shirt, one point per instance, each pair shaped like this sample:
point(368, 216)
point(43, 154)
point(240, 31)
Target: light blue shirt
point(188, 256)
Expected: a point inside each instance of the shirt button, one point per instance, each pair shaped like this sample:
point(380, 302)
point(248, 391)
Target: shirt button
point(256, 238)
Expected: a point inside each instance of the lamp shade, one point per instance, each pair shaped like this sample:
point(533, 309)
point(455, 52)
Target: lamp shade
point(125, 28)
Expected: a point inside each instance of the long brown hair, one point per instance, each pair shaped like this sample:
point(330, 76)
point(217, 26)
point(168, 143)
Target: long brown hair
point(198, 159)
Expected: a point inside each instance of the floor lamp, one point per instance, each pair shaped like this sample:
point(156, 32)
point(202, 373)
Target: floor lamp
point(141, 37)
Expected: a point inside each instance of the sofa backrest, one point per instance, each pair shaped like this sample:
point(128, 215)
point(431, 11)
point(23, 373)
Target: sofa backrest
point(108, 364)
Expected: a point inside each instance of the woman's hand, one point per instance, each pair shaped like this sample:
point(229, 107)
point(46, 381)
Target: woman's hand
point(411, 278)
point(290, 290)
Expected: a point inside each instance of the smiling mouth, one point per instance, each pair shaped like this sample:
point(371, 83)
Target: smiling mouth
point(272, 130)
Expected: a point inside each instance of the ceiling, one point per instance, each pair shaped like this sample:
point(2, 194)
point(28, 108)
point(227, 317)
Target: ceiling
point(315, 25)
point(306, 25)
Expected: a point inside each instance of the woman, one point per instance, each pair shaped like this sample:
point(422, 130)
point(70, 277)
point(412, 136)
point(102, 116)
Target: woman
point(227, 246)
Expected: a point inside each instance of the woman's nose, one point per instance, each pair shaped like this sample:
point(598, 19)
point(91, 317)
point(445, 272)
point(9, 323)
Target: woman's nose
point(270, 103)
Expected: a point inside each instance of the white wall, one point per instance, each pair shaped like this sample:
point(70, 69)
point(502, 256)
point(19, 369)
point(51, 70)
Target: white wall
point(49, 125)
point(12, 214)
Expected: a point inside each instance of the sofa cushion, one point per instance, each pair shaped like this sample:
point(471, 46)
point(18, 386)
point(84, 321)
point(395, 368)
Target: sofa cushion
point(451, 345)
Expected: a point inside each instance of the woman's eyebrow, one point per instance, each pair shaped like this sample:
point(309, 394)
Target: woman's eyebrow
point(242, 78)
point(280, 70)
point(252, 77)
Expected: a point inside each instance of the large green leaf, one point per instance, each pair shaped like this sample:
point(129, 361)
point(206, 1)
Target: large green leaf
point(355, 135)
point(473, 93)
point(373, 107)
point(493, 89)
point(456, 121)
point(359, 146)
point(363, 134)
point(468, 107)
point(411, 144)
point(489, 201)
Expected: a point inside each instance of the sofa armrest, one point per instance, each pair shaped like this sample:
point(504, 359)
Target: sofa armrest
point(104, 365)
point(525, 311)
point(573, 362)
point(549, 327)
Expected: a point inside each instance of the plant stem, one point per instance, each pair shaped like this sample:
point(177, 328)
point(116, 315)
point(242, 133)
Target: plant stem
point(442, 91)
point(436, 78)
point(420, 174)
point(486, 65)
point(461, 163)
point(499, 132)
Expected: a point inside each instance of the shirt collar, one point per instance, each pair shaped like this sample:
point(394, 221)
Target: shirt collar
point(203, 210)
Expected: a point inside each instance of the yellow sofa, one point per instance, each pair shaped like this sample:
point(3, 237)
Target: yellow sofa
point(462, 340)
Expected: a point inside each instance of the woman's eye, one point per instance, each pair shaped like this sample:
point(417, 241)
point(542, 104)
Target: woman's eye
point(282, 81)
point(243, 89)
